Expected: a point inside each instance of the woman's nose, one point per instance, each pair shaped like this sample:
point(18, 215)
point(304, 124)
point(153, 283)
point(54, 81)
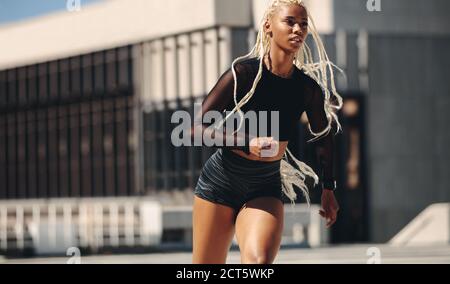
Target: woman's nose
point(296, 28)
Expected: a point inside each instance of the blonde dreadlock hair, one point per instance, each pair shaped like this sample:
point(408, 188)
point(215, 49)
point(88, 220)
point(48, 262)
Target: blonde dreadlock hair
point(317, 71)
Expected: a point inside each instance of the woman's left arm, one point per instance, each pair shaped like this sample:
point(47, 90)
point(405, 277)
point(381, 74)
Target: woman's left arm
point(324, 152)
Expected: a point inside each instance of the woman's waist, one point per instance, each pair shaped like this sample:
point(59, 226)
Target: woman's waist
point(236, 165)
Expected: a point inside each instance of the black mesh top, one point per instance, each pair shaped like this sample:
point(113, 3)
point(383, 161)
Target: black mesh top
point(290, 96)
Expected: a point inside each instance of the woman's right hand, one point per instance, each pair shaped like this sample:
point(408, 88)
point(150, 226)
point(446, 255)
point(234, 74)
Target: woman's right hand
point(264, 147)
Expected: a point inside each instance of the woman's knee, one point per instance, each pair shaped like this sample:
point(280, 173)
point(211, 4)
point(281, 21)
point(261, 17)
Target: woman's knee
point(258, 257)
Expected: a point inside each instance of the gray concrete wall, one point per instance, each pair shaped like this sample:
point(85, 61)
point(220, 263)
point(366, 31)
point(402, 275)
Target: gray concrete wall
point(398, 16)
point(409, 136)
point(408, 102)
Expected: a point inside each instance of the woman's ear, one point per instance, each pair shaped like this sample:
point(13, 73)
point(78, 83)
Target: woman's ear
point(268, 28)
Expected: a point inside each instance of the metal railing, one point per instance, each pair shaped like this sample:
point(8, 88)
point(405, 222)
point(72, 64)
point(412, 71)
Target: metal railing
point(54, 225)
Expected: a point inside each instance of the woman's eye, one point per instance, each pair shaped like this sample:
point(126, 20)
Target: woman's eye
point(302, 25)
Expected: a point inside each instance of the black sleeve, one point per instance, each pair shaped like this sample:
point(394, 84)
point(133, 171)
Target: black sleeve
point(218, 99)
point(324, 145)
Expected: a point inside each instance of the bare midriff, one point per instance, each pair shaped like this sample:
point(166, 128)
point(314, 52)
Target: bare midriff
point(282, 148)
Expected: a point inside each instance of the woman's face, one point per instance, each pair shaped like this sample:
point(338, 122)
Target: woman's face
point(288, 27)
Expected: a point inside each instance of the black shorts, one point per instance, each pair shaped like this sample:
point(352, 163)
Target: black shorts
point(232, 180)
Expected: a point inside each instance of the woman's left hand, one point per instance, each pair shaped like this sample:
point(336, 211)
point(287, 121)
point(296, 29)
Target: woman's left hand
point(330, 207)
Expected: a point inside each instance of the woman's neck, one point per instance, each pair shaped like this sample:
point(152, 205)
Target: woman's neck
point(279, 62)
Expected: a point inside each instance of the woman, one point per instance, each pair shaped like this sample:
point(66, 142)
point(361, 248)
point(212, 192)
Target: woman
point(240, 188)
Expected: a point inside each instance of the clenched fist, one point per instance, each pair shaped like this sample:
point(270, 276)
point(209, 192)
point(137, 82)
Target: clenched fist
point(264, 147)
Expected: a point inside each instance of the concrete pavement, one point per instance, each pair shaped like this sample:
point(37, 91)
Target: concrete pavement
point(353, 254)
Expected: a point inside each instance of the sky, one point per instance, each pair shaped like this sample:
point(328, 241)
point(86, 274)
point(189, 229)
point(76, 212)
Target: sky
point(18, 10)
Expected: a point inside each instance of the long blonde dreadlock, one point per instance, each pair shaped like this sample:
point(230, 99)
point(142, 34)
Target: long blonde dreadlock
point(316, 70)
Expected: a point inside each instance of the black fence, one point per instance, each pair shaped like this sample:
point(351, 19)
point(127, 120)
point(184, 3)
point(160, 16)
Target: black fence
point(175, 168)
point(65, 127)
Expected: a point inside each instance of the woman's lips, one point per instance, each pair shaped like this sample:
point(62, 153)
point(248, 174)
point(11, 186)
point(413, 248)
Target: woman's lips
point(296, 38)
point(296, 41)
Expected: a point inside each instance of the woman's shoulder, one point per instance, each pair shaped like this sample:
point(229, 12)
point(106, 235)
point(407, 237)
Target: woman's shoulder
point(307, 80)
point(246, 70)
point(249, 65)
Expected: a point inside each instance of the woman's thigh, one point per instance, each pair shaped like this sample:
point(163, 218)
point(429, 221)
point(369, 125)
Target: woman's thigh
point(213, 230)
point(259, 227)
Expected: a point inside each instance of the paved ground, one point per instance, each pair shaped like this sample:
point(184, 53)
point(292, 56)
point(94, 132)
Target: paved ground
point(358, 254)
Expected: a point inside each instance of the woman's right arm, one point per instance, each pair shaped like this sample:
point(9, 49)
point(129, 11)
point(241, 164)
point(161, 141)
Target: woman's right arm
point(218, 99)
